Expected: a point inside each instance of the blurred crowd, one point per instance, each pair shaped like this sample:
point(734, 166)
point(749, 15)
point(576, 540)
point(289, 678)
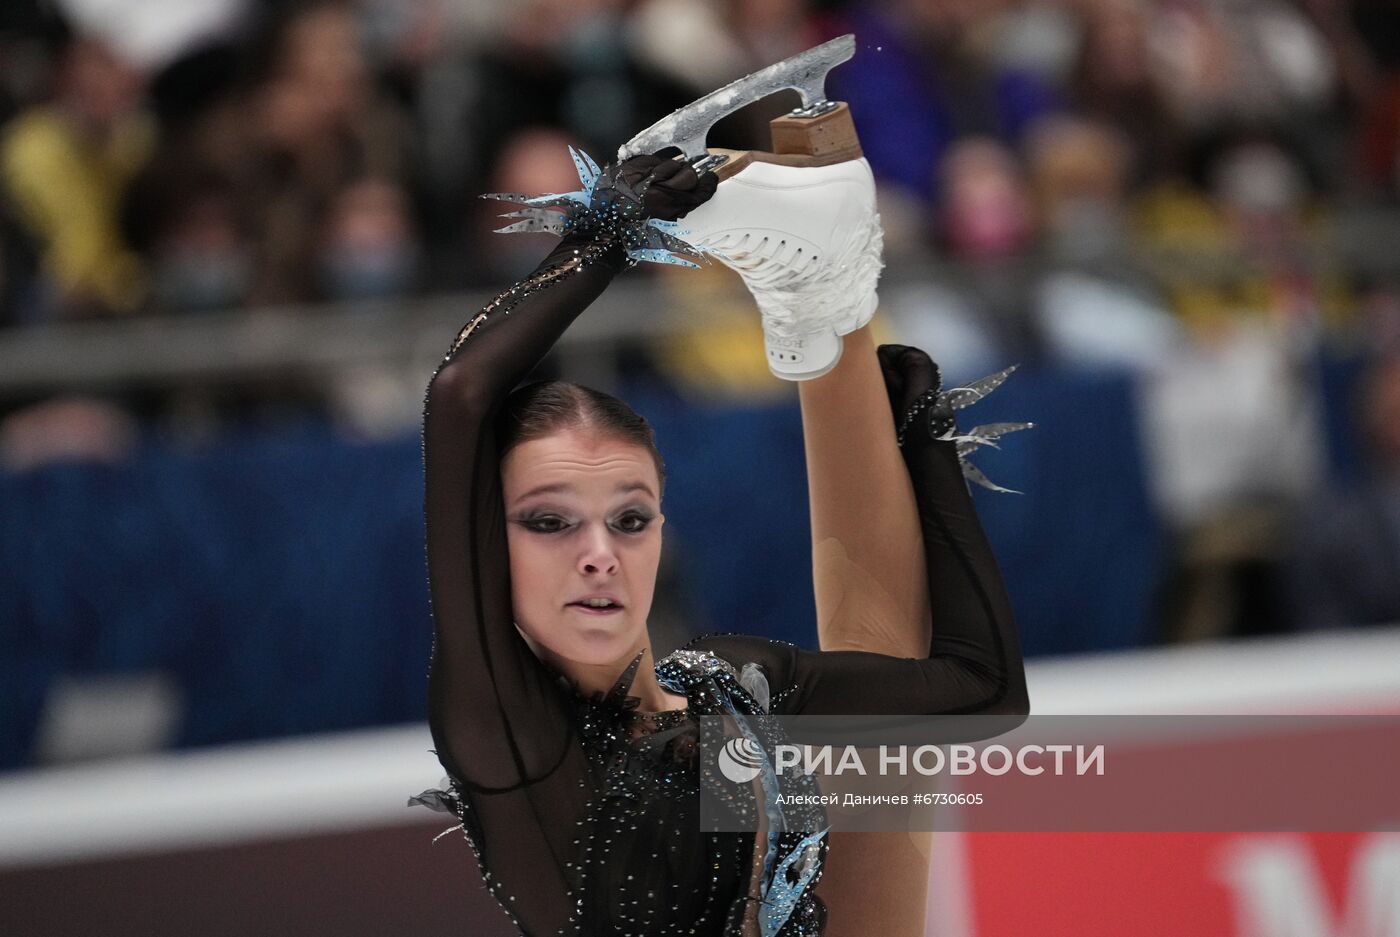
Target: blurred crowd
point(1202, 193)
point(284, 152)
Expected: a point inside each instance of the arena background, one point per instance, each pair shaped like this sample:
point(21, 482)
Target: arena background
point(236, 237)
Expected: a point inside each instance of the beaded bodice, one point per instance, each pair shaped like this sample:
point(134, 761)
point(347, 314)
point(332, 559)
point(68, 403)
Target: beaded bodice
point(640, 863)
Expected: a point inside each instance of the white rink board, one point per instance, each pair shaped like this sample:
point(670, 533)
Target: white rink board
point(360, 780)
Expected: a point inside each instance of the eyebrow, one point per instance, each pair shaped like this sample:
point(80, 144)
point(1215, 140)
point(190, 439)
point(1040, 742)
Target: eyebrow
point(566, 488)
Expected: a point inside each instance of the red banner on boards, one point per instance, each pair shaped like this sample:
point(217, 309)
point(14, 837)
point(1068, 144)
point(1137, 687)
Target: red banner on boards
point(1187, 884)
point(1170, 884)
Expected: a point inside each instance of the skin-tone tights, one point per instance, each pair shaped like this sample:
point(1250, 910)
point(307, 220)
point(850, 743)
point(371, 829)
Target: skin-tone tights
point(871, 595)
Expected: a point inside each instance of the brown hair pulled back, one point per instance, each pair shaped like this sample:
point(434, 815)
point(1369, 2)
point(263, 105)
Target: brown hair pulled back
point(546, 407)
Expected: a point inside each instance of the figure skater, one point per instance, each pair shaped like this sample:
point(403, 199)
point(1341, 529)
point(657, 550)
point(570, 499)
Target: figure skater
point(571, 751)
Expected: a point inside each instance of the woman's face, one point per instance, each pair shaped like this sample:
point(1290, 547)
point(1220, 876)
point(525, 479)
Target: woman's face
point(583, 522)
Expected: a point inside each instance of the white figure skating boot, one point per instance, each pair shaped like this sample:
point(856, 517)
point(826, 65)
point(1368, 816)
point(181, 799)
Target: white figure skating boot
point(807, 241)
point(798, 224)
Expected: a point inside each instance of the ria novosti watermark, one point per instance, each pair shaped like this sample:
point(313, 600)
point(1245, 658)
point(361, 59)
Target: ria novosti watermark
point(741, 759)
point(1051, 773)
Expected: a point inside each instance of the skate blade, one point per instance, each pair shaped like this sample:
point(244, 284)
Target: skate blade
point(687, 127)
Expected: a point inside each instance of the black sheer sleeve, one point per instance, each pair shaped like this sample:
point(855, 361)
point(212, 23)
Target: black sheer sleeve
point(501, 722)
point(504, 725)
point(974, 661)
point(497, 714)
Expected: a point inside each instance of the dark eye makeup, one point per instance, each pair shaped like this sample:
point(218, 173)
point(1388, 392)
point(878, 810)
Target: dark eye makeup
point(634, 521)
point(543, 523)
point(630, 521)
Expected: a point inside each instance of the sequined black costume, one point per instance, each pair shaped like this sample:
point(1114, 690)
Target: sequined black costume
point(582, 812)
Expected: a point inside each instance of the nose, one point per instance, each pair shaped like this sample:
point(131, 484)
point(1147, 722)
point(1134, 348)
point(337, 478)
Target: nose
point(599, 555)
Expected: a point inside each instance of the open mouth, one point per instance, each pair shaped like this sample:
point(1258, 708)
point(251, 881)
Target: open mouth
point(597, 606)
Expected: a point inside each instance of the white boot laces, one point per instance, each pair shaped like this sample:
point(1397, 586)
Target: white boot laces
point(796, 293)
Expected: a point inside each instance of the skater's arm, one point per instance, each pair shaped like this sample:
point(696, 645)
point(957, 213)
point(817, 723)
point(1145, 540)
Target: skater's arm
point(973, 662)
point(496, 713)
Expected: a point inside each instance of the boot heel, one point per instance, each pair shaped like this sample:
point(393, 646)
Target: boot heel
point(825, 139)
point(800, 141)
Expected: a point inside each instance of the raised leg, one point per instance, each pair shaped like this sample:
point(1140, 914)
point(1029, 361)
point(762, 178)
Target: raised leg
point(867, 550)
point(867, 547)
point(872, 595)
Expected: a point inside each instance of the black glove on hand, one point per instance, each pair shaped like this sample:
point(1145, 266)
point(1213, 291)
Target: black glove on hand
point(668, 187)
point(629, 195)
point(913, 382)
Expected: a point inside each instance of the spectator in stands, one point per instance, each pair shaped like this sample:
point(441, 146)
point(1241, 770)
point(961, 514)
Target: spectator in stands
point(567, 64)
point(987, 224)
point(1095, 306)
point(976, 307)
point(65, 166)
point(321, 127)
point(1251, 61)
point(921, 83)
point(203, 257)
point(368, 249)
point(263, 183)
point(1079, 176)
point(1255, 241)
point(1347, 568)
point(1113, 80)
